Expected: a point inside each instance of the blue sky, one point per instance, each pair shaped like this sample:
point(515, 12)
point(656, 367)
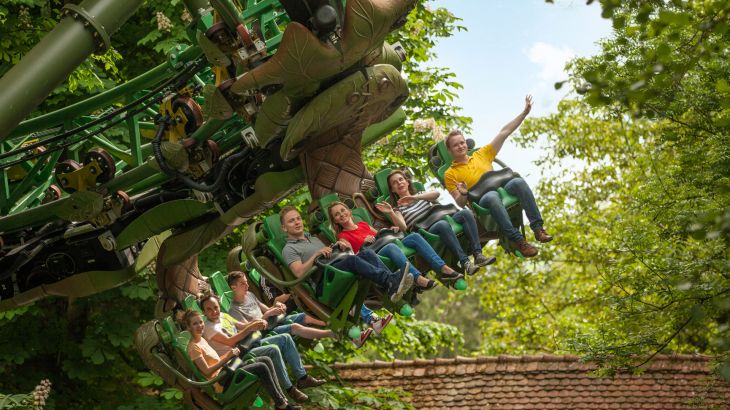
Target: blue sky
point(513, 48)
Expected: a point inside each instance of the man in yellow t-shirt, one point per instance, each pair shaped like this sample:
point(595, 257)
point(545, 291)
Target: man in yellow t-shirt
point(466, 170)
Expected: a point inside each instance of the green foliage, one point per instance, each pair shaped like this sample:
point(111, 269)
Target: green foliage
point(432, 92)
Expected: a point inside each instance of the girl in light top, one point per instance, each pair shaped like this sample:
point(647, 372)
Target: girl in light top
point(209, 363)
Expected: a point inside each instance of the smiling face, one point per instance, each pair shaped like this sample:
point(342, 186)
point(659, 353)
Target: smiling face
point(292, 223)
point(195, 324)
point(340, 214)
point(399, 184)
point(212, 309)
point(456, 145)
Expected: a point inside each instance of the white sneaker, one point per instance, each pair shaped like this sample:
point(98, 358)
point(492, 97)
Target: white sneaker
point(363, 337)
point(380, 323)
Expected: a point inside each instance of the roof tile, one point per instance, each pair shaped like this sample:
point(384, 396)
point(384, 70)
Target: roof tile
point(543, 382)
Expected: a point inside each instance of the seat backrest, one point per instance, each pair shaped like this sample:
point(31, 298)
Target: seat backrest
point(443, 158)
point(191, 302)
point(277, 237)
point(381, 181)
point(219, 283)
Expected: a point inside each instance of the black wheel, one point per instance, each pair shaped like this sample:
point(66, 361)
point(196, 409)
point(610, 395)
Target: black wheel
point(191, 111)
point(105, 161)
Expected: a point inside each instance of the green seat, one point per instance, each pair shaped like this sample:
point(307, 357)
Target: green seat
point(191, 302)
point(243, 387)
point(221, 289)
point(440, 160)
point(334, 282)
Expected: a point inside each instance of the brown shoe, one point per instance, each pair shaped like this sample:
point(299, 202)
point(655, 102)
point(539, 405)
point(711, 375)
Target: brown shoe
point(542, 236)
point(297, 395)
point(309, 381)
point(527, 250)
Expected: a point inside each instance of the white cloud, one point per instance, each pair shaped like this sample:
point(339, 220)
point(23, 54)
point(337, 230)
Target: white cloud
point(551, 60)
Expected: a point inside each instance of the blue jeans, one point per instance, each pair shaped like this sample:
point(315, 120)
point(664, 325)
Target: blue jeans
point(519, 188)
point(393, 252)
point(366, 314)
point(368, 265)
point(423, 249)
point(448, 236)
point(288, 351)
point(286, 328)
point(273, 352)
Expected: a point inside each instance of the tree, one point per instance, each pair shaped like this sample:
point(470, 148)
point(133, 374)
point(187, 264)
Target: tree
point(635, 185)
point(85, 346)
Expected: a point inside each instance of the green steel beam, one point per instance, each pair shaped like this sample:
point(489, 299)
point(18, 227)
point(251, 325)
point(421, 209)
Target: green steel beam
point(85, 29)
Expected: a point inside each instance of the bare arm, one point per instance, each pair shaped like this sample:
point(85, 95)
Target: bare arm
point(460, 194)
point(299, 268)
point(209, 370)
point(394, 215)
point(511, 126)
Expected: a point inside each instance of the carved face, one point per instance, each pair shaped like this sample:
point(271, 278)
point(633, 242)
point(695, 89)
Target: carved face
point(293, 224)
point(340, 214)
point(212, 309)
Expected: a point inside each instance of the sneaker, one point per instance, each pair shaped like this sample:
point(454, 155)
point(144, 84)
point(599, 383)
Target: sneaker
point(309, 381)
point(469, 268)
point(527, 250)
point(297, 395)
point(380, 323)
point(542, 236)
point(481, 260)
point(363, 337)
point(406, 282)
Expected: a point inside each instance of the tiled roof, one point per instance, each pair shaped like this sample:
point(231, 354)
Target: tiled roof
point(544, 382)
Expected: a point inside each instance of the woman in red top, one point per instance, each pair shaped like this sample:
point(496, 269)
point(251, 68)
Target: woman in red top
point(362, 234)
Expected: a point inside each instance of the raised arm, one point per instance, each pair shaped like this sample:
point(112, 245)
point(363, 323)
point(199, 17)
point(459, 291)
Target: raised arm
point(511, 126)
point(394, 215)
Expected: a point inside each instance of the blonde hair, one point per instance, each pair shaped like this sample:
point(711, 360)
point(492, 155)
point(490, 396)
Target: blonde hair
point(337, 228)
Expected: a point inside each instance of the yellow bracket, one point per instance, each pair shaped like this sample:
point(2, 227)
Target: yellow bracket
point(81, 179)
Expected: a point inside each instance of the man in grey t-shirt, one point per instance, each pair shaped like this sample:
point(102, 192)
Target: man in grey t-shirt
point(245, 307)
point(302, 249)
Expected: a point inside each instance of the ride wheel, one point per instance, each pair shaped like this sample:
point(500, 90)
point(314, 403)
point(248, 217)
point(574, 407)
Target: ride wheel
point(214, 149)
point(188, 111)
point(105, 161)
point(52, 193)
point(122, 196)
point(64, 167)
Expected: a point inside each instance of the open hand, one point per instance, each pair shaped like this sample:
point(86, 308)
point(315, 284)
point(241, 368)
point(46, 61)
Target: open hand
point(528, 104)
point(343, 244)
point(259, 324)
point(384, 207)
point(326, 252)
point(369, 239)
point(406, 200)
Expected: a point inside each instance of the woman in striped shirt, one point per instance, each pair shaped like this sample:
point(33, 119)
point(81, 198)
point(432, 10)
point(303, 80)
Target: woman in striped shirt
point(414, 205)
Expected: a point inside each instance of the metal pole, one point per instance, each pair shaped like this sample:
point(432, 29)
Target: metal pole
point(85, 29)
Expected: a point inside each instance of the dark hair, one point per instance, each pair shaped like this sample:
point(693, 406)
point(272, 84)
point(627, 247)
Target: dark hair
point(335, 226)
point(452, 134)
point(411, 189)
point(206, 298)
point(185, 317)
point(235, 276)
point(285, 210)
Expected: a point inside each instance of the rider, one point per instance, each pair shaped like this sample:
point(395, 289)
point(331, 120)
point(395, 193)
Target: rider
point(414, 205)
point(223, 332)
point(302, 249)
point(361, 234)
point(246, 307)
point(207, 360)
point(466, 170)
